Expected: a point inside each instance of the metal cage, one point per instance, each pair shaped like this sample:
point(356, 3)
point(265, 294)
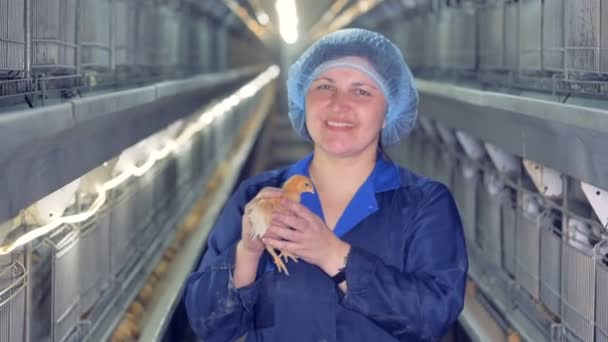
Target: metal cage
point(601, 298)
point(54, 36)
point(94, 261)
point(124, 33)
point(508, 221)
point(551, 262)
point(578, 284)
point(491, 35)
point(13, 281)
point(530, 35)
point(527, 270)
point(489, 229)
point(94, 35)
point(12, 36)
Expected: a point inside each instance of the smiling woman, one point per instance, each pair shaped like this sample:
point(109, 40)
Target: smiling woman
point(345, 107)
point(381, 254)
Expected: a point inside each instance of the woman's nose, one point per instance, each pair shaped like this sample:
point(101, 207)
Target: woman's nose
point(339, 101)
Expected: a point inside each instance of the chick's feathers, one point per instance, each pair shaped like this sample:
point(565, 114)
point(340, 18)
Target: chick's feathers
point(259, 212)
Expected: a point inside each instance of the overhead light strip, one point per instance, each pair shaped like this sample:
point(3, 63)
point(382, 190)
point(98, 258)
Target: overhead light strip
point(172, 146)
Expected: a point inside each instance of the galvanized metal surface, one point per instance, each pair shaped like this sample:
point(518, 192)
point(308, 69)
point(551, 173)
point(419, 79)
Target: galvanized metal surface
point(491, 36)
point(12, 36)
point(12, 301)
point(527, 271)
point(530, 34)
point(578, 291)
point(550, 266)
point(54, 36)
point(601, 299)
point(564, 137)
point(95, 26)
point(48, 159)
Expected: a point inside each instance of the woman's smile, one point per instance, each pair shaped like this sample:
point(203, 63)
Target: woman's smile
point(339, 126)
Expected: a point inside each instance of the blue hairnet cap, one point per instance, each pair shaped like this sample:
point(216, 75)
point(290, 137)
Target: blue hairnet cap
point(386, 58)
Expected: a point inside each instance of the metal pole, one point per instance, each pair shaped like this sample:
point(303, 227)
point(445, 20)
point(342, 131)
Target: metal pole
point(112, 46)
point(27, 22)
point(28, 290)
point(77, 39)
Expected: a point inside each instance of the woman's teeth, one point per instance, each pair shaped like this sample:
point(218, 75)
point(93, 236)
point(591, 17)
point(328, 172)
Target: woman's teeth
point(339, 124)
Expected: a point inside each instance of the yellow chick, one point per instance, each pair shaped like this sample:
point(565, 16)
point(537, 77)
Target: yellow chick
point(260, 212)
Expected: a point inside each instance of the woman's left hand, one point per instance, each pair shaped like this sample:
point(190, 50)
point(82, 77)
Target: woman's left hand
point(306, 236)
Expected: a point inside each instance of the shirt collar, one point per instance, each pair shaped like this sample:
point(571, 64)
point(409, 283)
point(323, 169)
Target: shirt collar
point(384, 177)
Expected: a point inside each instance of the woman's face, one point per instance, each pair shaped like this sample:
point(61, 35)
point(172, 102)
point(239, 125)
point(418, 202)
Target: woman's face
point(345, 111)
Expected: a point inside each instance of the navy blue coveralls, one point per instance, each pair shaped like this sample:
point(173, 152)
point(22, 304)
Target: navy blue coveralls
point(406, 271)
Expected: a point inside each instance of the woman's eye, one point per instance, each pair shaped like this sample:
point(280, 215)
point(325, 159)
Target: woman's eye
point(362, 92)
point(323, 87)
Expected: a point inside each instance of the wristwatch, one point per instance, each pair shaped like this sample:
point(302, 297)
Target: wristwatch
point(339, 277)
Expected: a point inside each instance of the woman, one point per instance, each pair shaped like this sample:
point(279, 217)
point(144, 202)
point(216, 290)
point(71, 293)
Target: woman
point(382, 254)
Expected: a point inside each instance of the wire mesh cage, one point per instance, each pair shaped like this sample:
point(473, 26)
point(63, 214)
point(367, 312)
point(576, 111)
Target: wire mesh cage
point(553, 36)
point(530, 35)
point(144, 201)
point(54, 36)
point(12, 36)
point(221, 137)
point(414, 46)
point(124, 33)
point(601, 300)
point(430, 44)
point(168, 40)
point(508, 221)
point(582, 35)
point(147, 36)
point(94, 261)
point(189, 43)
point(165, 189)
point(527, 271)
point(95, 18)
point(551, 262)
point(489, 229)
point(491, 35)
point(578, 278)
point(457, 32)
point(465, 189)
point(13, 281)
point(511, 34)
point(186, 158)
point(123, 228)
point(58, 268)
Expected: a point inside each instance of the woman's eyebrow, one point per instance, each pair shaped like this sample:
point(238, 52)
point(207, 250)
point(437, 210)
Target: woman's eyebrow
point(371, 85)
point(324, 78)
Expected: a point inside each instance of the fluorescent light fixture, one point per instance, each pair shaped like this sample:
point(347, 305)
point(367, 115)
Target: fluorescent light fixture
point(288, 20)
point(172, 145)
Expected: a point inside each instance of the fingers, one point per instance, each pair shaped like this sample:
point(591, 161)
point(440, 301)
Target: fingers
point(272, 235)
point(278, 233)
point(286, 246)
point(299, 210)
point(289, 220)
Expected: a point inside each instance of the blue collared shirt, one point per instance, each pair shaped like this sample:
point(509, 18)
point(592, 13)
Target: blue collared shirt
point(406, 271)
